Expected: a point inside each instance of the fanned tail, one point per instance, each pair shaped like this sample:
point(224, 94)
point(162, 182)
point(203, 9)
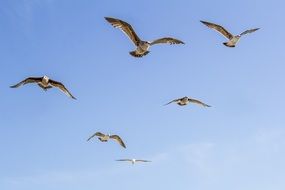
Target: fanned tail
point(226, 44)
point(135, 54)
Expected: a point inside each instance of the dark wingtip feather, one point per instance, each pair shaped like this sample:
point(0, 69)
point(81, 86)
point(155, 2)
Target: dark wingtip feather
point(110, 19)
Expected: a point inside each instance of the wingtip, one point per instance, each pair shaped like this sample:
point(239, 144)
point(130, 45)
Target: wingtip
point(109, 19)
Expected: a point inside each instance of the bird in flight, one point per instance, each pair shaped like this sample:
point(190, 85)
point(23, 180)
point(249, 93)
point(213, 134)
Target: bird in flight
point(233, 39)
point(186, 100)
point(45, 83)
point(133, 161)
point(105, 137)
point(142, 47)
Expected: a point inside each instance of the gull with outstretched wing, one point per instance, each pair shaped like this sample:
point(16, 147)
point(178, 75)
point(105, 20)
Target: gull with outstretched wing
point(45, 83)
point(186, 100)
point(106, 137)
point(142, 47)
point(233, 39)
point(133, 161)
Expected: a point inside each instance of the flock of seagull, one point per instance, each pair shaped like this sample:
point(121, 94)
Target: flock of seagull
point(142, 49)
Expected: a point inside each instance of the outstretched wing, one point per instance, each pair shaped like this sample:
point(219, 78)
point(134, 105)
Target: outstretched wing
point(61, 87)
point(176, 100)
point(126, 28)
point(143, 160)
point(26, 81)
point(249, 31)
point(95, 134)
point(198, 102)
point(124, 160)
point(167, 41)
point(118, 139)
point(219, 29)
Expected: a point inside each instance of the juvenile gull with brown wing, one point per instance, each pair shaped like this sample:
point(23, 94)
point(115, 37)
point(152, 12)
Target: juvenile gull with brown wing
point(186, 100)
point(142, 47)
point(45, 83)
point(105, 137)
point(233, 39)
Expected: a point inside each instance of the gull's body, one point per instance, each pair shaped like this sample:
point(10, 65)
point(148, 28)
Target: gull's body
point(186, 100)
point(133, 161)
point(142, 47)
point(106, 137)
point(232, 39)
point(45, 83)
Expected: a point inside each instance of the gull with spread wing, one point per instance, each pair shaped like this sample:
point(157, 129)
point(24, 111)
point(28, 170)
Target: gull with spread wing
point(106, 137)
point(45, 83)
point(186, 100)
point(142, 47)
point(133, 161)
point(233, 39)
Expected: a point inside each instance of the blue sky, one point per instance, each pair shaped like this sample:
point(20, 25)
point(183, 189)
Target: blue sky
point(236, 144)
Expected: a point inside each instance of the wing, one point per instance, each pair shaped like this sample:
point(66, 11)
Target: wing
point(219, 29)
point(249, 31)
point(118, 139)
point(124, 160)
point(95, 134)
point(198, 102)
point(126, 28)
point(61, 87)
point(143, 160)
point(176, 100)
point(167, 41)
point(91, 137)
point(26, 81)
point(99, 134)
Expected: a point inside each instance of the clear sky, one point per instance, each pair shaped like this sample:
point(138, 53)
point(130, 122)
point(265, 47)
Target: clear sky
point(237, 144)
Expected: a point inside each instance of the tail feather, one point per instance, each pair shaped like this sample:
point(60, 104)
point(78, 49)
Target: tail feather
point(135, 54)
point(226, 44)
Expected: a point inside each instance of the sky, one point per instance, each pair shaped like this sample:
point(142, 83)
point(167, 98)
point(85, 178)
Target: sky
point(238, 143)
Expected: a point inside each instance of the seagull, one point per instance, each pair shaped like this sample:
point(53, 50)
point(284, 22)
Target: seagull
point(104, 138)
point(133, 161)
point(142, 47)
point(45, 83)
point(186, 100)
point(233, 40)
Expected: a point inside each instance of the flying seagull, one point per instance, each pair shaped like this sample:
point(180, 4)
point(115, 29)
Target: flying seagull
point(186, 100)
point(104, 138)
point(142, 47)
point(133, 161)
point(233, 40)
point(45, 83)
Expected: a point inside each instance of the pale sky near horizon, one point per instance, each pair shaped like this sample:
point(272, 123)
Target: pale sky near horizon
point(237, 144)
